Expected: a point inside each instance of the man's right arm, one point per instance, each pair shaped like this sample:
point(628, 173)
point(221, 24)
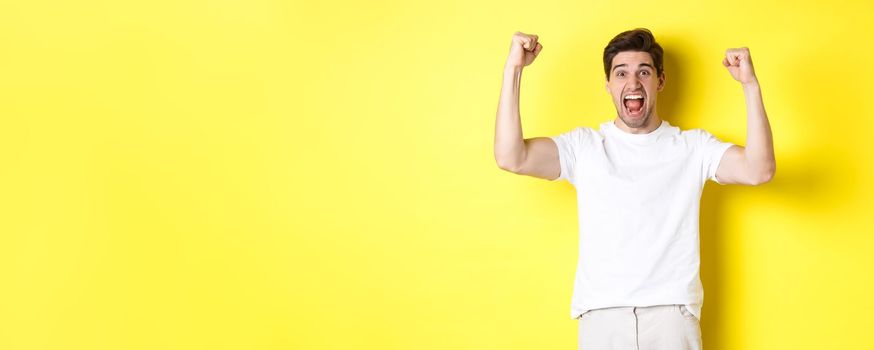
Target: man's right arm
point(537, 157)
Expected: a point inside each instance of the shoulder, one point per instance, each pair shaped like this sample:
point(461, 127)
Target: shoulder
point(583, 130)
point(698, 136)
point(576, 135)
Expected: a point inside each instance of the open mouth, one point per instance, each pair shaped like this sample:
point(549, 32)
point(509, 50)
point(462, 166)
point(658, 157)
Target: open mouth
point(633, 104)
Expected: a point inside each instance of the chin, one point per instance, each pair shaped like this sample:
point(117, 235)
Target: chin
point(632, 123)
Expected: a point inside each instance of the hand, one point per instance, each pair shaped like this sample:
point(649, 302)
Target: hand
point(740, 65)
point(524, 48)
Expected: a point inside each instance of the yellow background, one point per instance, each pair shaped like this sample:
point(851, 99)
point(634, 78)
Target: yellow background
point(319, 175)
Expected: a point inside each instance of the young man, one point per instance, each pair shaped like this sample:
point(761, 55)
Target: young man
point(639, 182)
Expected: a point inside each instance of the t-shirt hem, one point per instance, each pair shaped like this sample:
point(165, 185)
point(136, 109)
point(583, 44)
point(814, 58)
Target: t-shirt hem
point(561, 161)
point(716, 163)
point(692, 306)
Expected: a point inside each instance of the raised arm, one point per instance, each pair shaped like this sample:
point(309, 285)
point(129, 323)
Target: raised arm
point(755, 163)
point(537, 156)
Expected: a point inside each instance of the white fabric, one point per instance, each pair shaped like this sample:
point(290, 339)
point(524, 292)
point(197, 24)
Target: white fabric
point(638, 197)
point(661, 327)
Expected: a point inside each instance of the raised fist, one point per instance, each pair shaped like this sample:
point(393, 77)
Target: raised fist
point(523, 50)
point(740, 65)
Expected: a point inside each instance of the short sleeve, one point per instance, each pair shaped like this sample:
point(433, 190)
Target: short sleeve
point(569, 144)
point(712, 150)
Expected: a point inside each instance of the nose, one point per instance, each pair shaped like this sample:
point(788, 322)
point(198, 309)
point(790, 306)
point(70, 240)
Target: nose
point(633, 81)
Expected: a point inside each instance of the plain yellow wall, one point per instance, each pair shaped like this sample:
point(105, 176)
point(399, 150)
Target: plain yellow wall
point(319, 175)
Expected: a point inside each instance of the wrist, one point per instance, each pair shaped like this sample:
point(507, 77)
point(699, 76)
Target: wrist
point(754, 84)
point(509, 68)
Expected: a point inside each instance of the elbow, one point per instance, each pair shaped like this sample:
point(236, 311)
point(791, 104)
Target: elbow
point(761, 180)
point(508, 161)
point(507, 166)
point(764, 177)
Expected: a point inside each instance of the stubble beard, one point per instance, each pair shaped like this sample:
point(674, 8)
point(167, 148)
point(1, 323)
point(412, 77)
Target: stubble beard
point(631, 122)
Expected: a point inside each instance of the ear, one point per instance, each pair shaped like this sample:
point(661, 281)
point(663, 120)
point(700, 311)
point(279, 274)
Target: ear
point(607, 85)
point(661, 81)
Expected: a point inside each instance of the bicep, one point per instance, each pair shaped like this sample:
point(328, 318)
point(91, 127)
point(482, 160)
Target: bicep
point(541, 159)
point(732, 167)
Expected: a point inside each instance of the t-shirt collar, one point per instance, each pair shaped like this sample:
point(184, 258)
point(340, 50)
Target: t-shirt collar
point(652, 136)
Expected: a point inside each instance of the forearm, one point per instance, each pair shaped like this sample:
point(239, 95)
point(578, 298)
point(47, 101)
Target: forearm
point(759, 149)
point(509, 144)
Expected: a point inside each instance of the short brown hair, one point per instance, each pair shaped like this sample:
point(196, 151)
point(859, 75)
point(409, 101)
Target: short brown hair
point(639, 39)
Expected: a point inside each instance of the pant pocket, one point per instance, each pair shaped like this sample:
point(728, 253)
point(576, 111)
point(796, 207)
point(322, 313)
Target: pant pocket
point(686, 313)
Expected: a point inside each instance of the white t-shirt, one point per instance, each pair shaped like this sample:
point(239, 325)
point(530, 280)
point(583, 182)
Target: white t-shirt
point(638, 197)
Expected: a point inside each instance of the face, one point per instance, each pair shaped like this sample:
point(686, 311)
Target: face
point(634, 85)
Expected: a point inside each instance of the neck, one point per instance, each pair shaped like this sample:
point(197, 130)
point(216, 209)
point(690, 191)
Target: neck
point(653, 123)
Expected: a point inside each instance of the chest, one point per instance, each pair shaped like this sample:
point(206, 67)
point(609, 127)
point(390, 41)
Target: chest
point(615, 168)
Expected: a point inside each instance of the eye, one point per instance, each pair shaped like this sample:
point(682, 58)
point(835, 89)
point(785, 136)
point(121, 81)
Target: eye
point(620, 74)
point(644, 73)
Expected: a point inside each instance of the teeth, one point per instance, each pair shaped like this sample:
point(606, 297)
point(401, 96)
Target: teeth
point(634, 97)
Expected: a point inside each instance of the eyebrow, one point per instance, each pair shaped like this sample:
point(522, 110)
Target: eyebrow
point(625, 65)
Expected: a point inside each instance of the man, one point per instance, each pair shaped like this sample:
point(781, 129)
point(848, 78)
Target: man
point(639, 182)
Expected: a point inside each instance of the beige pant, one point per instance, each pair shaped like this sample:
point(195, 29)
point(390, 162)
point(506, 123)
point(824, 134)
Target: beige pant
point(660, 327)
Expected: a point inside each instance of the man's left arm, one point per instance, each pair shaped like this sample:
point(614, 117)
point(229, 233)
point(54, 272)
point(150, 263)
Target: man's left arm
point(753, 164)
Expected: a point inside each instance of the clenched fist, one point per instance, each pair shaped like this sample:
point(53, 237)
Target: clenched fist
point(740, 65)
point(523, 50)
